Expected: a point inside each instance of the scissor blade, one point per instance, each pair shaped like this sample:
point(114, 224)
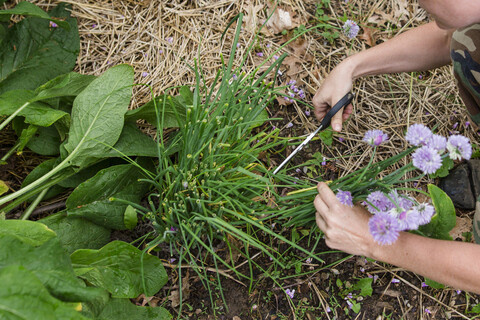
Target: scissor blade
point(300, 147)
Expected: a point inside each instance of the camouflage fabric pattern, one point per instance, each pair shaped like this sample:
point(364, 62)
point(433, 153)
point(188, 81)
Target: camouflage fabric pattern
point(465, 53)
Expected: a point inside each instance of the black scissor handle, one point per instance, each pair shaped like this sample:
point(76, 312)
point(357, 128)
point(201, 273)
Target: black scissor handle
point(339, 105)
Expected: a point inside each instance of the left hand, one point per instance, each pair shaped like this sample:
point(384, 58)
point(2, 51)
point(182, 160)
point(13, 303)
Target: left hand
point(345, 228)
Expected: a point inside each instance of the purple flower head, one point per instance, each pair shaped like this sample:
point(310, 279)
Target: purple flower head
point(438, 143)
point(144, 74)
point(292, 82)
point(324, 162)
point(185, 184)
point(375, 137)
point(384, 228)
point(459, 147)
point(289, 125)
point(275, 57)
point(408, 219)
point(455, 125)
point(169, 39)
point(290, 293)
point(345, 197)
point(467, 123)
point(380, 201)
point(395, 280)
point(307, 113)
point(427, 159)
point(259, 54)
point(234, 76)
point(418, 134)
point(53, 24)
point(425, 212)
point(173, 229)
point(350, 29)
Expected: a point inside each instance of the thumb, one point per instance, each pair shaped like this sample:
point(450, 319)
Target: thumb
point(336, 121)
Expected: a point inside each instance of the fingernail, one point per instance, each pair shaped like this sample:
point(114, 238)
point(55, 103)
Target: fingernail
point(336, 127)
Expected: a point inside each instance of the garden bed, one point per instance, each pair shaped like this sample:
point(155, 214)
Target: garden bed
point(160, 39)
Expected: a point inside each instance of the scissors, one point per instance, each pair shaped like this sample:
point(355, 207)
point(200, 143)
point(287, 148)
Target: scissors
point(325, 123)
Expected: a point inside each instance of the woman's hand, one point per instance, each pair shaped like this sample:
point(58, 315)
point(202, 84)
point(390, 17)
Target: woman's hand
point(338, 83)
point(345, 228)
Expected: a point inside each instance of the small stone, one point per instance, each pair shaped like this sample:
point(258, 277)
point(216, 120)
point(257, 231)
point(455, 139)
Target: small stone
point(458, 187)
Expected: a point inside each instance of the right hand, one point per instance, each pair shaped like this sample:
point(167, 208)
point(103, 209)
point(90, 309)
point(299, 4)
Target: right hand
point(338, 83)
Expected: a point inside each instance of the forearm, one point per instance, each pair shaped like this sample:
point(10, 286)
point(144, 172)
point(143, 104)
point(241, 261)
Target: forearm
point(422, 48)
point(449, 262)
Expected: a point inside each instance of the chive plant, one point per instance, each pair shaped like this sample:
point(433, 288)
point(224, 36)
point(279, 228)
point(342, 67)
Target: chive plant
point(211, 183)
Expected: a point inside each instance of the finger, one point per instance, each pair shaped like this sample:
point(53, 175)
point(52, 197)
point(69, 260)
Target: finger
point(347, 111)
point(320, 205)
point(322, 225)
point(321, 111)
point(327, 195)
point(337, 121)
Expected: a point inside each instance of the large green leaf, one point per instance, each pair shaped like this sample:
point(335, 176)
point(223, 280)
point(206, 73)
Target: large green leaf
point(23, 296)
point(98, 115)
point(133, 142)
point(77, 233)
point(124, 309)
point(117, 267)
point(70, 84)
point(39, 171)
point(91, 199)
point(37, 113)
point(33, 53)
point(444, 219)
point(30, 232)
point(167, 107)
point(46, 141)
point(29, 9)
point(51, 264)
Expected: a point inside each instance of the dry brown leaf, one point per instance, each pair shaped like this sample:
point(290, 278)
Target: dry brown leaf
point(463, 225)
point(299, 47)
point(368, 36)
point(280, 20)
point(251, 19)
point(293, 64)
point(400, 11)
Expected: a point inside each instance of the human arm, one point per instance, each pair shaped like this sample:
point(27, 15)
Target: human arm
point(449, 262)
point(422, 48)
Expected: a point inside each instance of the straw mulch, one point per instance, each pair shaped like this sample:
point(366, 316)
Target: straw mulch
point(161, 38)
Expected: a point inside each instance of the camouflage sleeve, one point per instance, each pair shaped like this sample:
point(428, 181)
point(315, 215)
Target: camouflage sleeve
point(466, 67)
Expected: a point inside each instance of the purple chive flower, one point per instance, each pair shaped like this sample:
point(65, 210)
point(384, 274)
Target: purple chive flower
point(289, 125)
point(234, 76)
point(345, 197)
point(420, 77)
point(455, 125)
point(458, 291)
point(350, 305)
point(144, 74)
point(375, 137)
point(324, 162)
point(459, 147)
point(94, 26)
point(238, 45)
point(328, 309)
point(292, 82)
point(185, 184)
point(173, 229)
point(424, 285)
point(380, 201)
point(160, 51)
point(53, 24)
point(307, 113)
point(408, 219)
point(428, 311)
point(172, 260)
point(384, 228)
point(467, 123)
point(259, 54)
point(438, 143)
point(298, 170)
point(425, 212)
point(169, 39)
point(427, 159)
point(290, 293)
point(418, 134)
point(275, 57)
point(395, 280)
point(341, 139)
point(350, 29)
point(291, 94)
point(268, 45)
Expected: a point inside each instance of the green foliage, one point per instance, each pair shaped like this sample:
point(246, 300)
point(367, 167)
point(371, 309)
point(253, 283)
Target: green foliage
point(39, 280)
point(32, 52)
point(447, 165)
point(324, 28)
point(444, 219)
point(92, 199)
point(76, 233)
